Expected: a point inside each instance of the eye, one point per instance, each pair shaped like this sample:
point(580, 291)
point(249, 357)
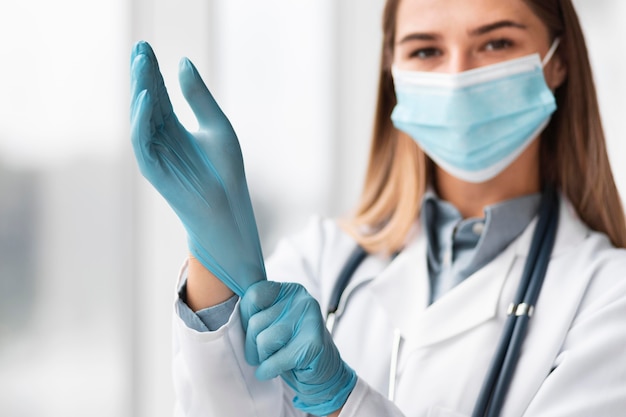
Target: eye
point(425, 53)
point(498, 44)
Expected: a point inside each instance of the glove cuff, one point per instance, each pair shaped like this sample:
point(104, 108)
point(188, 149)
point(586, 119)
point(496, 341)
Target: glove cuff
point(332, 401)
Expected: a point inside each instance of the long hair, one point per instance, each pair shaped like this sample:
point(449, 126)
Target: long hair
point(573, 153)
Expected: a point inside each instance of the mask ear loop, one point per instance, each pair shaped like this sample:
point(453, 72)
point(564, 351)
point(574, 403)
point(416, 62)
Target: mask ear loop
point(551, 52)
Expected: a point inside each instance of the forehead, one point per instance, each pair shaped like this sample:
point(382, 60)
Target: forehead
point(460, 15)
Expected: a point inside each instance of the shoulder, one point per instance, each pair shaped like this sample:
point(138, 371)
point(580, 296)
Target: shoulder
point(576, 240)
point(605, 265)
point(589, 254)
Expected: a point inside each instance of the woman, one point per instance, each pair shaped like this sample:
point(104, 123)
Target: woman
point(484, 107)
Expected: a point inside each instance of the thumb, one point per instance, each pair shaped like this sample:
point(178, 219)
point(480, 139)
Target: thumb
point(258, 297)
point(200, 99)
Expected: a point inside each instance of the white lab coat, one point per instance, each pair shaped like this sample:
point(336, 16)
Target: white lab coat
point(573, 361)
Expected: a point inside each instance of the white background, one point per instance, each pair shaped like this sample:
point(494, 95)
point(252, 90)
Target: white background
point(85, 312)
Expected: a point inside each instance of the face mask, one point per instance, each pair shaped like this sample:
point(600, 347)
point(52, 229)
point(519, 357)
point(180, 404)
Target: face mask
point(474, 124)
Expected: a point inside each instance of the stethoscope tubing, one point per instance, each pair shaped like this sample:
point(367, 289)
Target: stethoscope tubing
point(502, 368)
point(497, 382)
point(354, 260)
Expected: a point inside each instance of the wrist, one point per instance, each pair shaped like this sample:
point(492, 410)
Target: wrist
point(204, 289)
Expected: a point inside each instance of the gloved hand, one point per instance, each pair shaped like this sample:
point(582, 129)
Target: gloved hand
point(200, 174)
point(286, 336)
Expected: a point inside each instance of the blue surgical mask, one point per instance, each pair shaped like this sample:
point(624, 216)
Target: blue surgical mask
point(475, 123)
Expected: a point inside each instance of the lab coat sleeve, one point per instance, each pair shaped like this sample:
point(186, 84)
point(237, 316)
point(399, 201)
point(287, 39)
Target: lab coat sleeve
point(211, 375)
point(364, 401)
point(589, 374)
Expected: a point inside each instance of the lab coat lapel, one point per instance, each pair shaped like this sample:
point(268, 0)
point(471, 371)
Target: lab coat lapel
point(571, 231)
point(490, 288)
point(472, 302)
point(403, 290)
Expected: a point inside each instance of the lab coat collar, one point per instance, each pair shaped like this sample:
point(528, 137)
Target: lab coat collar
point(469, 304)
point(402, 289)
point(570, 233)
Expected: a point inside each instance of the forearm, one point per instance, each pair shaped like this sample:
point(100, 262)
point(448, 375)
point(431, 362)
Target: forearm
point(203, 288)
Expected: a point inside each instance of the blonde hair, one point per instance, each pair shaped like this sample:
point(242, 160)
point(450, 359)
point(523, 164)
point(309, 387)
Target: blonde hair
point(573, 150)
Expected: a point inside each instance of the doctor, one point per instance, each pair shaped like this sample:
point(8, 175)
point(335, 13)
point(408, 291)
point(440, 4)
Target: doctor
point(483, 106)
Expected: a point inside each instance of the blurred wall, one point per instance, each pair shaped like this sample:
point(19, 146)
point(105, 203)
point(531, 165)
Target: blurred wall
point(89, 252)
point(65, 248)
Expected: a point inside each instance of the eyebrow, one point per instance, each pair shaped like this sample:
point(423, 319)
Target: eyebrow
point(425, 36)
point(418, 36)
point(496, 25)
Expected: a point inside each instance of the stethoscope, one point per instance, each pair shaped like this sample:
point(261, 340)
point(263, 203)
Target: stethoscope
point(500, 373)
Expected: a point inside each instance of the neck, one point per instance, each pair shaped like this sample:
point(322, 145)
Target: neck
point(521, 178)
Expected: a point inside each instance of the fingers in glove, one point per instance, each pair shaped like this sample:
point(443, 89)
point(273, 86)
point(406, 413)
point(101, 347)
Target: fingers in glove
point(141, 129)
point(308, 340)
point(272, 340)
point(145, 75)
point(145, 115)
point(258, 313)
point(156, 132)
point(200, 99)
point(140, 74)
point(296, 354)
point(258, 297)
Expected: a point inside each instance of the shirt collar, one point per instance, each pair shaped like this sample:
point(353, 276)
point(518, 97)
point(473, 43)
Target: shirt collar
point(479, 240)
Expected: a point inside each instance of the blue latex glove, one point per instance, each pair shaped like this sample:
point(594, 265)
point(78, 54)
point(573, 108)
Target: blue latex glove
point(200, 174)
point(286, 336)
